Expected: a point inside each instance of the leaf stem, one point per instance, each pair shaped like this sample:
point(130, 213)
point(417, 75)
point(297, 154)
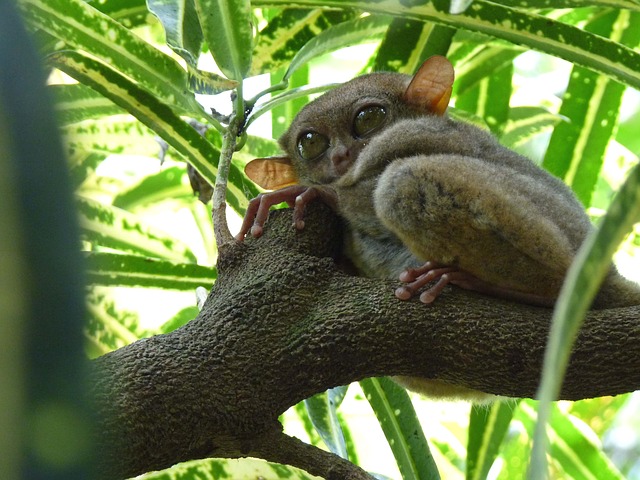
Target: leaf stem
point(271, 89)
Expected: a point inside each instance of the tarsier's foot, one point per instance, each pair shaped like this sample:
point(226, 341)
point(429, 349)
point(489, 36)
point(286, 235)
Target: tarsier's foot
point(296, 196)
point(417, 278)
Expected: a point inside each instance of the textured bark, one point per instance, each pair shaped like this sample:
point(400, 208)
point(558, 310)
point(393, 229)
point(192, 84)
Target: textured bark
point(283, 323)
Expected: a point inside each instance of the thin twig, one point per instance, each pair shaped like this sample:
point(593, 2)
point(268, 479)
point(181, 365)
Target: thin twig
point(220, 225)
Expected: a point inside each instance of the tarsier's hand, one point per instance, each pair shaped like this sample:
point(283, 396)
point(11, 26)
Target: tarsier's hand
point(296, 196)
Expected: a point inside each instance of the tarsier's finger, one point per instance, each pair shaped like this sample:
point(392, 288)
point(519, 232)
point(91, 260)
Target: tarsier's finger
point(324, 193)
point(262, 213)
point(300, 203)
point(248, 220)
point(430, 295)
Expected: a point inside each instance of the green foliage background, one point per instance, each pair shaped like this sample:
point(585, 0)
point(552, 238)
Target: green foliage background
point(139, 67)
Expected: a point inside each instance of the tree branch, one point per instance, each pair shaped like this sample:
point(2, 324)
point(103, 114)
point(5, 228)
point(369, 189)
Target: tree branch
point(283, 323)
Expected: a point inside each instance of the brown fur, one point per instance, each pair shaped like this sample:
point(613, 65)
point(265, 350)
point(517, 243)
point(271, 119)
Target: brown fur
point(424, 187)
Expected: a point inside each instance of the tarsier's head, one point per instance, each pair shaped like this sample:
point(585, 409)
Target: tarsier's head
point(327, 135)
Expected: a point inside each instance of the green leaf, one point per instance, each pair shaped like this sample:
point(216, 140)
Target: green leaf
point(286, 97)
point(479, 64)
point(408, 43)
point(114, 135)
point(525, 123)
point(467, 44)
point(79, 25)
point(170, 183)
point(110, 269)
point(202, 218)
point(572, 448)
point(302, 413)
point(617, 4)
point(288, 32)
point(459, 6)
point(108, 328)
point(84, 165)
point(342, 35)
point(592, 104)
point(232, 469)
point(77, 102)
point(130, 13)
point(160, 118)
point(490, 98)
point(400, 424)
point(488, 426)
point(207, 83)
point(283, 115)
point(517, 26)
point(179, 319)
point(323, 413)
point(628, 133)
point(577, 147)
point(601, 413)
point(184, 35)
point(468, 117)
point(181, 26)
point(115, 228)
point(591, 264)
point(227, 27)
point(42, 306)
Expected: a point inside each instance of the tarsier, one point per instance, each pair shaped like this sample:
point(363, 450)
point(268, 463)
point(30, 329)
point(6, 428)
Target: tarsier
point(426, 199)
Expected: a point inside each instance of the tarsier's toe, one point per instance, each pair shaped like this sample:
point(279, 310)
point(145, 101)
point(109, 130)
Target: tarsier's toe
point(408, 276)
point(403, 293)
point(417, 278)
point(428, 297)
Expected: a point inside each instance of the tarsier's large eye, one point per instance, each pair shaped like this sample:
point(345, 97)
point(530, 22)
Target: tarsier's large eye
point(311, 145)
point(368, 120)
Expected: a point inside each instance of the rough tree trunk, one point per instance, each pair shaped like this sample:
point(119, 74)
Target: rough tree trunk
point(283, 323)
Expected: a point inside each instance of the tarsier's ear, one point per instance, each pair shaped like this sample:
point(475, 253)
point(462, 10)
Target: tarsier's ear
point(430, 88)
point(271, 173)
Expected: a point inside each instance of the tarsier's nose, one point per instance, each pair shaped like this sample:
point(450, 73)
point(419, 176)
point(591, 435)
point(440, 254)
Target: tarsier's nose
point(341, 159)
